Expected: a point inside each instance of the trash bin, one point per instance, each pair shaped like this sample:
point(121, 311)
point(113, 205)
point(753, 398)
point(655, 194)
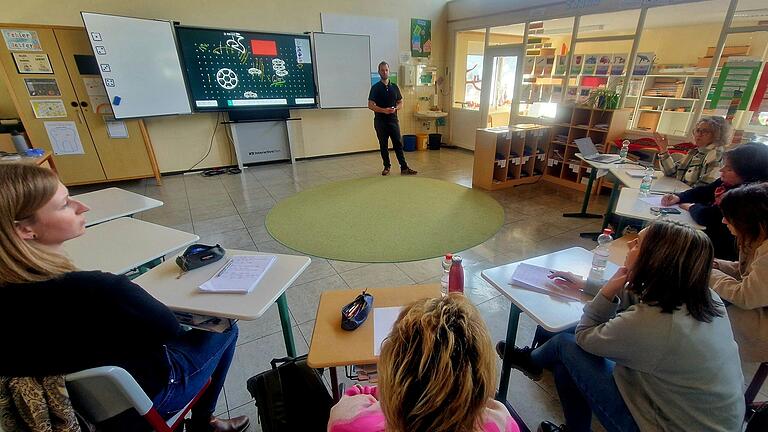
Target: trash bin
point(409, 143)
point(421, 141)
point(434, 141)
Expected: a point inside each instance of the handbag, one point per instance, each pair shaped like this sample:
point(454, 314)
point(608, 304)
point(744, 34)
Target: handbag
point(291, 397)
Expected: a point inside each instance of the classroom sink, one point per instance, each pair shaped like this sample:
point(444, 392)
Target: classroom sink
point(431, 114)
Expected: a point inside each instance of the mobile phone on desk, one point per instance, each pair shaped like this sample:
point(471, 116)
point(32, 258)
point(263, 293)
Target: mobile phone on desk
point(664, 210)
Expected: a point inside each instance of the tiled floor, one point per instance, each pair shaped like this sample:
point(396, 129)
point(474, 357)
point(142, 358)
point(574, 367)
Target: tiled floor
point(230, 210)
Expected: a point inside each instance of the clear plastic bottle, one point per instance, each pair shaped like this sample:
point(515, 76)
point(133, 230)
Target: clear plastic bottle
point(601, 252)
point(456, 275)
point(624, 150)
point(447, 262)
point(645, 184)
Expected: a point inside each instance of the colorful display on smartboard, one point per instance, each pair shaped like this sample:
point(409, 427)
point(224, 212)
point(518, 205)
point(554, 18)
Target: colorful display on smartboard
point(229, 70)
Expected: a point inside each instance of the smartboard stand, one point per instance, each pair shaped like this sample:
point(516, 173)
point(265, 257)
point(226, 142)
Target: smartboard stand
point(262, 140)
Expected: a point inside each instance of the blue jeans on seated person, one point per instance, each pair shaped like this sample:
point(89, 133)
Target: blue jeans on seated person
point(193, 358)
point(585, 384)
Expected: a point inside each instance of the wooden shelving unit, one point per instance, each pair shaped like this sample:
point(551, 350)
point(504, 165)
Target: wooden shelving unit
point(509, 156)
point(572, 122)
point(665, 103)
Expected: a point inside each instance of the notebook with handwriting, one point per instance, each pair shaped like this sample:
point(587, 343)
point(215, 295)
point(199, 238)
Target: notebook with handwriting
point(240, 274)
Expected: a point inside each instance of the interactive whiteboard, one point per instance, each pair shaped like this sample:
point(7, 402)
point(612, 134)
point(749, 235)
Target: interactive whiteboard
point(342, 63)
point(139, 64)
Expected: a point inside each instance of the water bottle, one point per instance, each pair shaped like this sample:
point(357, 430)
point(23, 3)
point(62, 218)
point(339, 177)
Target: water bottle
point(447, 263)
point(601, 252)
point(20, 143)
point(624, 150)
point(456, 275)
point(645, 185)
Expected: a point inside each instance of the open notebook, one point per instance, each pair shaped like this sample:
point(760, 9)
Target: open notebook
point(240, 274)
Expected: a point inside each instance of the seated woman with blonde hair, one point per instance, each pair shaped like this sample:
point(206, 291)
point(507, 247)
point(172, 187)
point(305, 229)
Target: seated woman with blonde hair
point(86, 319)
point(436, 374)
point(744, 283)
point(699, 166)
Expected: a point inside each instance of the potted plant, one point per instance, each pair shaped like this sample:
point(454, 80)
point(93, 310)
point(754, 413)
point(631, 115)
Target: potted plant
point(603, 98)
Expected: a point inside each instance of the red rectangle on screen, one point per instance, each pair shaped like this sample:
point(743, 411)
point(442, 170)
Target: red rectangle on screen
point(264, 47)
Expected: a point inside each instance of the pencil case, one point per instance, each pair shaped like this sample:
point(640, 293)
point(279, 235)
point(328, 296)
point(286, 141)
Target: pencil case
point(354, 314)
point(199, 255)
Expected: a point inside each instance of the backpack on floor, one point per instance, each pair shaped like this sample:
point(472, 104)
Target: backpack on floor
point(291, 397)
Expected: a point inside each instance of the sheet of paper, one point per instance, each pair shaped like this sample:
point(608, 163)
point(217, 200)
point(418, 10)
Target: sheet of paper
point(115, 128)
point(654, 200)
point(94, 86)
point(535, 278)
point(28, 63)
point(100, 104)
point(383, 320)
point(636, 173)
point(42, 87)
point(240, 274)
point(64, 137)
point(48, 108)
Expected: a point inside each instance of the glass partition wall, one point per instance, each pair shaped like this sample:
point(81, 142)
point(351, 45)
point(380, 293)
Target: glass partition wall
point(655, 62)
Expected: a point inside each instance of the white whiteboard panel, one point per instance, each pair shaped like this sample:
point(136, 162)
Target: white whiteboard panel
point(383, 33)
point(139, 65)
point(342, 71)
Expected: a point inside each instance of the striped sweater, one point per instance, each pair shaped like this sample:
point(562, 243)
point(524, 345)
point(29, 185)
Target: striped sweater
point(359, 411)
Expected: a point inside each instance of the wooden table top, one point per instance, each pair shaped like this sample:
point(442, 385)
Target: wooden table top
point(332, 346)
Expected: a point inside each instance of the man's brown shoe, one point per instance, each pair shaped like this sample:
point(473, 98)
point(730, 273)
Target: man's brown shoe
point(385, 172)
point(408, 171)
point(237, 424)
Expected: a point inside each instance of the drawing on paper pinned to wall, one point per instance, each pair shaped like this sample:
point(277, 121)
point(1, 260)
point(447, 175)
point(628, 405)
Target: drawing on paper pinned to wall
point(226, 78)
point(64, 137)
point(48, 108)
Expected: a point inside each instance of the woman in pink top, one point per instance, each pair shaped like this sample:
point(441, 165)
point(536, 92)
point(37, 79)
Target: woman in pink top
point(436, 374)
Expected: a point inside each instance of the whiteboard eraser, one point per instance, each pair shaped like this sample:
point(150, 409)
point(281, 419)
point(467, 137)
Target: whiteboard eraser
point(116, 100)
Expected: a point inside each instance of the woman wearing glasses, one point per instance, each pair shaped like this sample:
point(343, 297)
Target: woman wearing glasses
point(701, 165)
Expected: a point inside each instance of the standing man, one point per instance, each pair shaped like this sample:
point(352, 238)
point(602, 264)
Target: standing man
point(385, 100)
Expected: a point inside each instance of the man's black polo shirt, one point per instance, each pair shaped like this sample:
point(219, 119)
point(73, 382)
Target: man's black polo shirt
point(385, 96)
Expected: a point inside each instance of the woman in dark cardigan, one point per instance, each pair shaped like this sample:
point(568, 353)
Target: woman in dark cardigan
point(745, 164)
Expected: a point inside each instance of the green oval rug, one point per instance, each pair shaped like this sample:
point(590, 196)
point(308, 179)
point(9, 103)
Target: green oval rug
point(385, 219)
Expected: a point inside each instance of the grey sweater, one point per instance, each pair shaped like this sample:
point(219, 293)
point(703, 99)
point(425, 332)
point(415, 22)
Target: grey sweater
point(675, 373)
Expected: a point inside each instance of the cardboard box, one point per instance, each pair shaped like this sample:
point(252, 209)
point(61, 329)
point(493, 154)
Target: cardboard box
point(737, 50)
point(6, 144)
point(648, 120)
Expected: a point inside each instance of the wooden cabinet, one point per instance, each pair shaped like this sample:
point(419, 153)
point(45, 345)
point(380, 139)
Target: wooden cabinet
point(572, 122)
point(509, 156)
point(102, 158)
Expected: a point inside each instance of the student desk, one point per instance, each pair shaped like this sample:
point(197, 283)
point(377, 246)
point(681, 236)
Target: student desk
point(595, 166)
point(630, 205)
point(550, 312)
point(120, 245)
point(182, 294)
point(112, 203)
point(661, 183)
point(39, 161)
point(331, 346)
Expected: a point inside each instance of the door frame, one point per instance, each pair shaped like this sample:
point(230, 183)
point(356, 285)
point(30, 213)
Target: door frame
point(490, 53)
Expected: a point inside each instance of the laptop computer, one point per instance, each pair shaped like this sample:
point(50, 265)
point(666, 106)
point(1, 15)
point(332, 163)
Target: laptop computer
point(589, 151)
